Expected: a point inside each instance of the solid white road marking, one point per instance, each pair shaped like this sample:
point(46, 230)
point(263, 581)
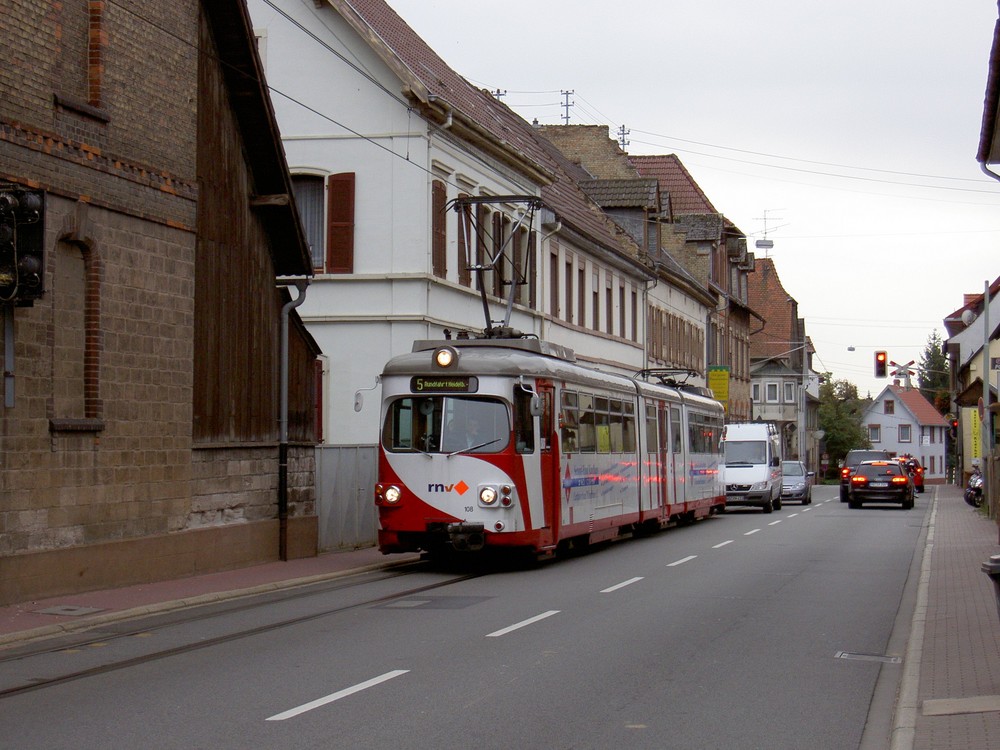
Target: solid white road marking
point(722, 544)
point(682, 561)
point(523, 623)
point(292, 712)
point(621, 585)
point(752, 531)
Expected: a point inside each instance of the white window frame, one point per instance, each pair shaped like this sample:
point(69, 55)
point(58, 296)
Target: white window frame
point(768, 389)
point(789, 393)
point(875, 433)
point(908, 431)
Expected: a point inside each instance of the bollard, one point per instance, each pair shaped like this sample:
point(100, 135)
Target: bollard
point(992, 568)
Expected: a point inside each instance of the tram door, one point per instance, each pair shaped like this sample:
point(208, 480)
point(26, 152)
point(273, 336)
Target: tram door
point(656, 455)
point(662, 454)
point(549, 463)
point(675, 458)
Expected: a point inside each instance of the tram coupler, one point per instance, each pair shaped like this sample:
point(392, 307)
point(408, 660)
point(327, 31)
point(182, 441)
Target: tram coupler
point(467, 537)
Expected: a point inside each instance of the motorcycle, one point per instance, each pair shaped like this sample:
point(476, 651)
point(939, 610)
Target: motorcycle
point(974, 491)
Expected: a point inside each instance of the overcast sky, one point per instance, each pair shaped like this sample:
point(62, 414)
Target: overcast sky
point(852, 126)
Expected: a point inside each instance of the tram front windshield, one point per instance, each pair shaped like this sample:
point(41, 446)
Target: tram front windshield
point(446, 424)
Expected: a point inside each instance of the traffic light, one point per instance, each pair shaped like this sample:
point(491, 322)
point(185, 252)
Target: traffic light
point(881, 363)
point(22, 235)
point(953, 428)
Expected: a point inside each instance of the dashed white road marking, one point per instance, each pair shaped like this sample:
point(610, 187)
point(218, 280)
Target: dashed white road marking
point(775, 523)
point(293, 712)
point(722, 544)
point(523, 623)
point(792, 515)
point(752, 531)
point(682, 561)
point(621, 585)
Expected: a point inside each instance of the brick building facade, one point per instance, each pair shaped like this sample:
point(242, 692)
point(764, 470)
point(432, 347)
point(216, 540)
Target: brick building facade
point(138, 432)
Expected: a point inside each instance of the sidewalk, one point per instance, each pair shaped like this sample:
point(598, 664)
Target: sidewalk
point(956, 633)
point(950, 691)
point(20, 623)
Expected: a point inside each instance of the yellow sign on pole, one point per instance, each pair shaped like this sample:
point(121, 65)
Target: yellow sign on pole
point(718, 383)
point(976, 438)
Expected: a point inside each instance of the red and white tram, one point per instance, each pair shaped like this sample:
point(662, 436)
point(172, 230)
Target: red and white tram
point(508, 443)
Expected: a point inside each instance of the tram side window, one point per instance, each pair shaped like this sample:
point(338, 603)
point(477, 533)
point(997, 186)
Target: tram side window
point(628, 428)
point(588, 424)
point(602, 424)
point(524, 423)
point(652, 436)
point(675, 430)
point(704, 432)
point(597, 424)
point(569, 422)
point(714, 429)
point(622, 422)
point(695, 434)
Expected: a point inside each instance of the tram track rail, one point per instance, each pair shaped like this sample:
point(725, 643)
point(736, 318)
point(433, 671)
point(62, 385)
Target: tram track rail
point(257, 602)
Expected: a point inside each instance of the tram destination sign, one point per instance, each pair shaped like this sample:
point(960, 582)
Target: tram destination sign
point(438, 384)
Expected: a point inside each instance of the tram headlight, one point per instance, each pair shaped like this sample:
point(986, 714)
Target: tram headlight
point(388, 494)
point(488, 496)
point(445, 357)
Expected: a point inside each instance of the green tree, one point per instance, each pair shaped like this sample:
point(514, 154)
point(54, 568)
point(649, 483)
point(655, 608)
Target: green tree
point(840, 417)
point(933, 377)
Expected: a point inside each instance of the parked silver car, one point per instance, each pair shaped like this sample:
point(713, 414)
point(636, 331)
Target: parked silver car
point(796, 482)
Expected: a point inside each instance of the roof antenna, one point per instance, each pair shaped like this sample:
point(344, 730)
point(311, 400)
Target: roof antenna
point(764, 243)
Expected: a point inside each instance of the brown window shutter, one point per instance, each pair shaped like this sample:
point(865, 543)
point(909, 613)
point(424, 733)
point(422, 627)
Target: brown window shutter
point(482, 221)
point(465, 241)
point(340, 223)
point(439, 237)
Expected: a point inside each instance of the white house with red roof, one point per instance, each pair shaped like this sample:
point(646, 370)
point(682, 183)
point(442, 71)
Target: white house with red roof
point(902, 421)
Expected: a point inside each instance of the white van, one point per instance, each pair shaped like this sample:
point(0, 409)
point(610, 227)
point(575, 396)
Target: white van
point(752, 471)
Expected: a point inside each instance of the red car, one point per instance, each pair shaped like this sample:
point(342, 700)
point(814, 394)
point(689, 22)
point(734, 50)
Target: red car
point(915, 470)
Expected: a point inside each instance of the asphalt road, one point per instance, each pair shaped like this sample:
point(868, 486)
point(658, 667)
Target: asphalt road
point(742, 631)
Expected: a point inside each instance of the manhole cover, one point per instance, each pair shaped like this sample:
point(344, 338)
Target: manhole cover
point(68, 610)
point(868, 657)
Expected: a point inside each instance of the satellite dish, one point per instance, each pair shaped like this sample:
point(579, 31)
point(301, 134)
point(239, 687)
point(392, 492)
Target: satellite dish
point(968, 316)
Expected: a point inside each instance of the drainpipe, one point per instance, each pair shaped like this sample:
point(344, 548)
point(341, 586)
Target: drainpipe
point(541, 244)
point(8, 357)
point(301, 285)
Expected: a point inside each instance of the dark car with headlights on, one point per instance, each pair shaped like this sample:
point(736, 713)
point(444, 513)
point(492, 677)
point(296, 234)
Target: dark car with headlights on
point(796, 482)
point(851, 460)
point(881, 482)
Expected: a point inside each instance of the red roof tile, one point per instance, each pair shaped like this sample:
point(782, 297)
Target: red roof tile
point(919, 406)
point(686, 196)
